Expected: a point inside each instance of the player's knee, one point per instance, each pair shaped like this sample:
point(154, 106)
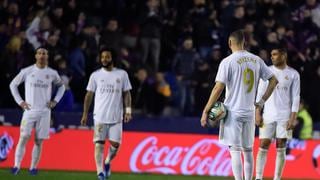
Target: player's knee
point(99, 142)
point(281, 143)
point(114, 144)
point(24, 138)
point(265, 144)
point(38, 142)
point(247, 149)
point(234, 148)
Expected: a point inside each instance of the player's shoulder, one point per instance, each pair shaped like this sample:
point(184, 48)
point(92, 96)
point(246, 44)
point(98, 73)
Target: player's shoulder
point(119, 70)
point(28, 68)
point(293, 71)
point(96, 72)
point(51, 70)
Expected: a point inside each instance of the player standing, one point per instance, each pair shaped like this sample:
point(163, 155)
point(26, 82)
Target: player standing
point(111, 87)
point(239, 73)
point(38, 80)
point(279, 113)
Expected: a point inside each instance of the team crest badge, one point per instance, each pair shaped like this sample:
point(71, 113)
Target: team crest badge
point(47, 76)
point(287, 78)
point(118, 80)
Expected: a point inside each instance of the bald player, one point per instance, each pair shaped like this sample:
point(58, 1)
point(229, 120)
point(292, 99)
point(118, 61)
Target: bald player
point(239, 73)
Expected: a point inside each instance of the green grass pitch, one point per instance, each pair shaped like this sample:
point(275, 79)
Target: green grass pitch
point(72, 175)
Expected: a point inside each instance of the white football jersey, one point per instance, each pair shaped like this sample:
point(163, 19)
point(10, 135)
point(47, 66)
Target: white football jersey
point(285, 98)
point(38, 86)
point(108, 87)
point(240, 72)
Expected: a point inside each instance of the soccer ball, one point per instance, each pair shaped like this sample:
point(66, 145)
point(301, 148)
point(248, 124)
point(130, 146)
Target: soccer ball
point(216, 113)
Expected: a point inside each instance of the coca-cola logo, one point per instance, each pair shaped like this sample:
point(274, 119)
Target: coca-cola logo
point(204, 157)
point(6, 144)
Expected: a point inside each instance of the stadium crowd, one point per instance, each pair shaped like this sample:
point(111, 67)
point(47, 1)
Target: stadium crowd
point(171, 49)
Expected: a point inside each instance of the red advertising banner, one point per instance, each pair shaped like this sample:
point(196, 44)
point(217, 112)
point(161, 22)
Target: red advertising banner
point(186, 154)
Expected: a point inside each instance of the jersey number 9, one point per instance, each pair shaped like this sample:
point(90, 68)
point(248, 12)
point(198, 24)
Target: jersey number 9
point(248, 79)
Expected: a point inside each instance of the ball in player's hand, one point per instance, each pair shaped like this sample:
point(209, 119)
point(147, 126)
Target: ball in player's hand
point(216, 113)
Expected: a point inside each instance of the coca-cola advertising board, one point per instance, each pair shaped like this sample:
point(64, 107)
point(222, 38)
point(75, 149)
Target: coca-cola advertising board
point(164, 153)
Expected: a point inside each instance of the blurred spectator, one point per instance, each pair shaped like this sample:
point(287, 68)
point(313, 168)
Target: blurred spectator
point(64, 27)
point(252, 43)
point(271, 41)
point(77, 62)
point(56, 16)
point(303, 129)
point(127, 61)
point(38, 31)
point(264, 55)
point(80, 22)
point(10, 61)
point(67, 101)
point(184, 66)
point(237, 20)
point(308, 14)
point(204, 78)
point(14, 20)
point(150, 25)
point(143, 93)
point(54, 48)
point(70, 12)
point(91, 35)
point(202, 27)
point(111, 36)
point(163, 93)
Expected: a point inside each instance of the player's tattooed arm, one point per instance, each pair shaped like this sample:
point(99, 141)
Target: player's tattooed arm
point(127, 100)
point(86, 105)
point(273, 81)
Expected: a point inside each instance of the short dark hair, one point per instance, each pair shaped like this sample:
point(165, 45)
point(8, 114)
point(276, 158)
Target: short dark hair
point(281, 49)
point(41, 47)
point(238, 36)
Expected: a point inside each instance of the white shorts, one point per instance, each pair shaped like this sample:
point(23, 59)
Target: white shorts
point(237, 131)
point(111, 131)
point(40, 120)
point(275, 130)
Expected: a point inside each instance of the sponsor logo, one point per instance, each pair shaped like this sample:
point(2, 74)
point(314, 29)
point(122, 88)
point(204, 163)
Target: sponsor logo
point(205, 156)
point(6, 144)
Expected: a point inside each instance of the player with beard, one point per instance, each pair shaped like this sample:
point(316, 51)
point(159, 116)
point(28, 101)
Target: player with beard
point(111, 87)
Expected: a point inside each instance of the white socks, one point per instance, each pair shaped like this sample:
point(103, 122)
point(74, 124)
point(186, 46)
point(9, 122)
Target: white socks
point(236, 162)
point(280, 161)
point(20, 150)
point(261, 161)
point(112, 153)
point(98, 155)
point(36, 153)
point(248, 164)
